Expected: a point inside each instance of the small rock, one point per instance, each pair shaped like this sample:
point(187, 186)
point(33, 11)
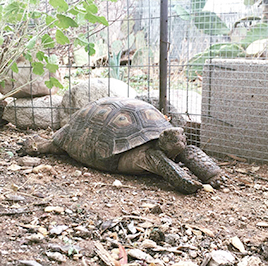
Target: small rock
point(29, 263)
point(44, 168)
point(235, 241)
point(57, 230)
point(29, 161)
point(77, 173)
point(117, 183)
point(81, 231)
point(157, 236)
point(42, 230)
point(87, 174)
point(226, 190)
point(172, 239)
point(148, 243)
point(193, 254)
point(131, 227)
point(146, 225)
point(56, 256)
point(11, 197)
point(140, 255)
point(14, 167)
point(208, 188)
point(221, 257)
point(250, 261)
point(165, 259)
point(35, 238)
point(56, 209)
point(258, 186)
point(68, 211)
point(156, 209)
point(262, 224)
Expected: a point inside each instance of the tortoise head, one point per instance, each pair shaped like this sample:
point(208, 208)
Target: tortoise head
point(28, 147)
point(172, 141)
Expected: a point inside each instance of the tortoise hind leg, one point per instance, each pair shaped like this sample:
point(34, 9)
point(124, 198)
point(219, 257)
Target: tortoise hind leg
point(158, 163)
point(35, 145)
point(201, 165)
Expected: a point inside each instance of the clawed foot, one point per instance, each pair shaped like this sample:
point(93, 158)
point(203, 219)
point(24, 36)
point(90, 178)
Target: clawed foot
point(28, 146)
point(33, 145)
point(218, 181)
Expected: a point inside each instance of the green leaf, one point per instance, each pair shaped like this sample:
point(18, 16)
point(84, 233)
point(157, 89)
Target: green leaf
point(182, 13)
point(40, 55)
point(61, 38)
point(36, 14)
point(53, 82)
point(2, 83)
point(53, 59)
point(60, 5)
point(49, 20)
point(257, 32)
point(80, 40)
point(31, 43)
point(14, 68)
point(47, 41)
point(210, 23)
point(90, 7)
point(1, 40)
point(93, 19)
point(89, 48)
point(14, 8)
point(65, 22)
point(197, 5)
point(52, 68)
point(38, 68)
point(28, 56)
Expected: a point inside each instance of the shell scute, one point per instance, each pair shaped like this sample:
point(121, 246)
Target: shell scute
point(107, 127)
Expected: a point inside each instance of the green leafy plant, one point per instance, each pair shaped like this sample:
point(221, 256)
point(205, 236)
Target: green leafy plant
point(114, 63)
point(209, 23)
point(28, 29)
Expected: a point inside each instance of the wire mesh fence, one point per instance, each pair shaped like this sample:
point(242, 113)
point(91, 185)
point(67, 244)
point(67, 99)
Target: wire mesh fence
point(216, 71)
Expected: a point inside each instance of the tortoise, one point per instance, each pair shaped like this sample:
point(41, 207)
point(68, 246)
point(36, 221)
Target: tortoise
point(128, 136)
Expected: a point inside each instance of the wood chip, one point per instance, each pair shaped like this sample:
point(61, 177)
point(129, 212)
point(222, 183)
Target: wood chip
point(103, 254)
point(236, 242)
point(237, 158)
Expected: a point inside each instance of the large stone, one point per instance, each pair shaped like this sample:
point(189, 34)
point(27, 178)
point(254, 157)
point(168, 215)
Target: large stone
point(86, 91)
point(186, 102)
point(35, 89)
point(234, 108)
point(41, 112)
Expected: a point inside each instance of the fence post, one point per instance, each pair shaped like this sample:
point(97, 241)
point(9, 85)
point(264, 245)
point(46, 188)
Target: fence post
point(163, 56)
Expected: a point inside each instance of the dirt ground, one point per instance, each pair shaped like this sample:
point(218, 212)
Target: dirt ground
point(58, 212)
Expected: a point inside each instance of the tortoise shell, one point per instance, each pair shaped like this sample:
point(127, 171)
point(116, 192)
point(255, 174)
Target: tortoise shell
point(108, 127)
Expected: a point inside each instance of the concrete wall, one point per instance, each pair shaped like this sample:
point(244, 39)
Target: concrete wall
point(235, 108)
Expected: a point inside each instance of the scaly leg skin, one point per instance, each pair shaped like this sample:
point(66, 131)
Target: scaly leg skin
point(159, 164)
point(35, 145)
point(201, 165)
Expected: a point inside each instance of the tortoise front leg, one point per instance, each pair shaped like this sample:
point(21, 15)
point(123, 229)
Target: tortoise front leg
point(158, 163)
point(201, 165)
point(35, 145)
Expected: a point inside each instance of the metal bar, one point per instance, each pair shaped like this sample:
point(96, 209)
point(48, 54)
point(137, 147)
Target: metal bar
point(163, 56)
